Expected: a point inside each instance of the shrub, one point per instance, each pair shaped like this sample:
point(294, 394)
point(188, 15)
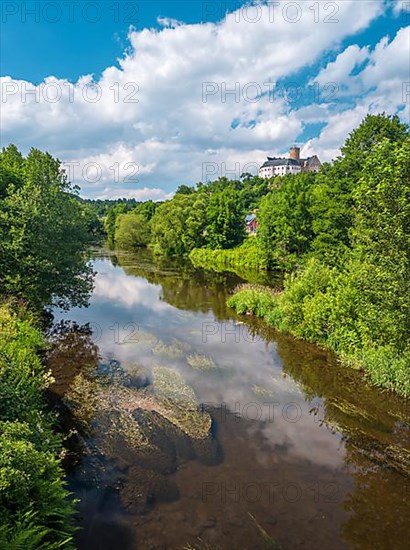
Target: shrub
point(34, 503)
point(246, 256)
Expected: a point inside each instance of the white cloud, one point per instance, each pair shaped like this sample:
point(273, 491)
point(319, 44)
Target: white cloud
point(339, 70)
point(169, 22)
point(381, 86)
point(150, 111)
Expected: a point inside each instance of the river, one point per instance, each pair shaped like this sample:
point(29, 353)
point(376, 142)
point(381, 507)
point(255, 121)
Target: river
point(283, 447)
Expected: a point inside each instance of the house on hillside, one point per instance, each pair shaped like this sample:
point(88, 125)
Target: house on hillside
point(279, 166)
point(251, 224)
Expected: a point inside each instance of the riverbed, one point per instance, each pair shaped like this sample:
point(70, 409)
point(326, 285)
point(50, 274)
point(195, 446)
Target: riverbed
point(280, 447)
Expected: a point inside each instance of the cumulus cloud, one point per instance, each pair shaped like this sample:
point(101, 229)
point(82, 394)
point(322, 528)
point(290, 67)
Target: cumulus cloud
point(381, 86)
point(191, 94)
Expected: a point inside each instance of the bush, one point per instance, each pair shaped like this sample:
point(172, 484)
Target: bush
point(388, 369)
point(246, 256)
point(33, 501)
point(254, 299)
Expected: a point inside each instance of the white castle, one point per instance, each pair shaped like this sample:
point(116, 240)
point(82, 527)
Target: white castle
point(279, 166)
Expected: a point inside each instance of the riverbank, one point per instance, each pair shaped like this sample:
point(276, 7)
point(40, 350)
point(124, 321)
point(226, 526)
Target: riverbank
point(247, 261)
point(35, 509)
point(311, 308)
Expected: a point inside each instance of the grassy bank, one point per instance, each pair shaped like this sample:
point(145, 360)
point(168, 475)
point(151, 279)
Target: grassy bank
point(34, 509)
point(325, 307)
point(246, 260)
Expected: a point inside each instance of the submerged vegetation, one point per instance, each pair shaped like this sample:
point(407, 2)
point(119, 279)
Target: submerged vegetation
point(201, 362)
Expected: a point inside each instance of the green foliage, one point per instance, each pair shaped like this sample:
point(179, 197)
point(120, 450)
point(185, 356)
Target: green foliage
point(120, 232)
point(333, 205)
point(254, 299)
point(246, 256)
point(285, 221)
point(34, 509)
point(211, 216)
point(178, 225)
point(27, 535)
point(225, 220)
point(43, 232)
point(132, 230)
point(185, 190)
point(352, 293)
point(381, 242)
point(111, 219)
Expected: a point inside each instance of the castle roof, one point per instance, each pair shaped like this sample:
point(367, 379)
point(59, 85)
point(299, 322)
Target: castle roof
point(274, 161)
point(281, 161)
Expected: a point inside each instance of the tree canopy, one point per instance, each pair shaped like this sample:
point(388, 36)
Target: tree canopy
point(43, 232)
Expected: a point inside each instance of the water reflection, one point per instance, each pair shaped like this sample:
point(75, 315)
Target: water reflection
point(318, 458)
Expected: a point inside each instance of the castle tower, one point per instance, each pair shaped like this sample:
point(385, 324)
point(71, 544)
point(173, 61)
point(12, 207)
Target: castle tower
point(294, 153)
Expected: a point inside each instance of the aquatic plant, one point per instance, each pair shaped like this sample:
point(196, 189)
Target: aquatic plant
point(261, 391)
point(201, 362)
point(175, 349)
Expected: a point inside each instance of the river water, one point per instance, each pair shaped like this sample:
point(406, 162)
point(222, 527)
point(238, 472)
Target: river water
point(300, 452)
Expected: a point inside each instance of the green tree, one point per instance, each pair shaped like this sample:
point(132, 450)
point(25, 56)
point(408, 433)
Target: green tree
point(285, 221)
point(11, 169)
point(225, 228)
point(111, 218)
point(132, 230)
point(43, 235)
point(178, 225)
point(381, 244)
point(332, 207)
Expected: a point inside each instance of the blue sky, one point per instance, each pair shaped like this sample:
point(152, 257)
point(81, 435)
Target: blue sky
point(138, 97)
point(68, 42)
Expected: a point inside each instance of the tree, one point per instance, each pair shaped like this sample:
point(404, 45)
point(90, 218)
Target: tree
point(178, 225)
point(285, 221)
point(11, 169)
point(332, 207)
point(380, 262)
point(184, 190)
point(111, 218)
point(43, 234)
point(225, 228)
point(132, 230)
